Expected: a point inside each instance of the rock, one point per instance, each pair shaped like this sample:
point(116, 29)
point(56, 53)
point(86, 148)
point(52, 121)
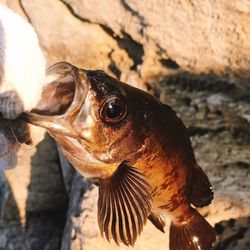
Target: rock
point(33, 200)
point(42, 232)
point(90, 41)
point(234, 234)
point(144, 40)
point(195, 36)
point(16, 6)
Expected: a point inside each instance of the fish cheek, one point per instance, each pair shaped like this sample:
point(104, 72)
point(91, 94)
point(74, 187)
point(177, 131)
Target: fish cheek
point(127, 140)
point(91, 129)
point(113, 142)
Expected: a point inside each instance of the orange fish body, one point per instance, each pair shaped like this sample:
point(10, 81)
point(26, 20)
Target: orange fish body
point(135, 149)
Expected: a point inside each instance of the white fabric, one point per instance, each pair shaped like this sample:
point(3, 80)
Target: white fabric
point(22, 73)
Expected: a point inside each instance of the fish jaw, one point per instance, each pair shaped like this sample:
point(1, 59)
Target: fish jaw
point(52, 124)
point(72, 146)
point(84, 162)
point(63, 79)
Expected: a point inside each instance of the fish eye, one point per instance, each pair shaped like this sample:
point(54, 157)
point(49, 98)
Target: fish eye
point(113, 109)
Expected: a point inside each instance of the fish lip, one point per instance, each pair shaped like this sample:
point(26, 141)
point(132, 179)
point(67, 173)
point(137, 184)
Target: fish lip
point(81, 90)
point(53, 124)
point(61, 124)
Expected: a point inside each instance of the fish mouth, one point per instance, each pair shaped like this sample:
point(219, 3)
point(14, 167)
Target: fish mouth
point(62, 98)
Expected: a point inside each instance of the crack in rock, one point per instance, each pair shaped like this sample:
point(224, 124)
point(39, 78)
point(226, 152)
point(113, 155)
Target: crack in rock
point(169, 63)
point(135, 14)
point(126, 42)
point(134, 49)
point(113, 67)
point(24, 10)
point(73, 13)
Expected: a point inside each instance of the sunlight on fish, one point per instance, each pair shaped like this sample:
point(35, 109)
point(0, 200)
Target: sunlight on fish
point(135, 149)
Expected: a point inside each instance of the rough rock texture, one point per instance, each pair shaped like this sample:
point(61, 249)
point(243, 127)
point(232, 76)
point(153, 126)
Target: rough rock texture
point(200, 51)
point(145, 39)
point(198, 36)
point(33, 200)
point(234, 234)
point(65, 37)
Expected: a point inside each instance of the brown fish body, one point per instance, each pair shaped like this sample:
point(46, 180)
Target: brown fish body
point(167, 160)
point(135, 148)
point(158, 159)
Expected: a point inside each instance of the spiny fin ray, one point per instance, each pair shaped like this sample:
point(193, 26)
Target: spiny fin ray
point(124, 205)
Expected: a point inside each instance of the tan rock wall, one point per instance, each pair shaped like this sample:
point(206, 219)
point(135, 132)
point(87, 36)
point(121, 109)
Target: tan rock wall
point(147, 38)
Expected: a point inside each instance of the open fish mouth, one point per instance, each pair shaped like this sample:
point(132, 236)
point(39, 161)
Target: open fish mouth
point(62, 97)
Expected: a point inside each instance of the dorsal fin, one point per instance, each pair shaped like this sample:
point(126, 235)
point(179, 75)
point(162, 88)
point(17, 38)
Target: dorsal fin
point(201, 193)
point(124, 205)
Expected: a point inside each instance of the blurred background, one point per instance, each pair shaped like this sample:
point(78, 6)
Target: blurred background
point(193, 55)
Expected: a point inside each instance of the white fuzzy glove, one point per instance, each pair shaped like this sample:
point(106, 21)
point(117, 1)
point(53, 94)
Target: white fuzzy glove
point(22, 73)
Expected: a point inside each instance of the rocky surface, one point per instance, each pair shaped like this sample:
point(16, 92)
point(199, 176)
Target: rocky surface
point(144, 39)
point(234, 234)
point(33, 200)
point(196, 54)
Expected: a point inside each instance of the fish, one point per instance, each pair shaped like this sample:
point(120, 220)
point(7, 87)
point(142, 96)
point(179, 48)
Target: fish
point(134, 148)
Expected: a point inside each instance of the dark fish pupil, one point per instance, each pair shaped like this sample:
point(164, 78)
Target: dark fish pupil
point(113, 110)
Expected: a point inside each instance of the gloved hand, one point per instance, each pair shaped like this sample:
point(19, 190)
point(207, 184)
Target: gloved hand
point(22, 74)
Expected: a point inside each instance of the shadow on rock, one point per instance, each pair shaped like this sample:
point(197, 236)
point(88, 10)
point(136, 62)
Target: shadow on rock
point(46, 205)
point(33, 200)
point(234, 234)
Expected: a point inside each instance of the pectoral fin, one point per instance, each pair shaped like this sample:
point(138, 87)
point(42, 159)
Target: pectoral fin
point(124, 205)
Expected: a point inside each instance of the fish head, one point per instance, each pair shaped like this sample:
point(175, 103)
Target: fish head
point(92, 112)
